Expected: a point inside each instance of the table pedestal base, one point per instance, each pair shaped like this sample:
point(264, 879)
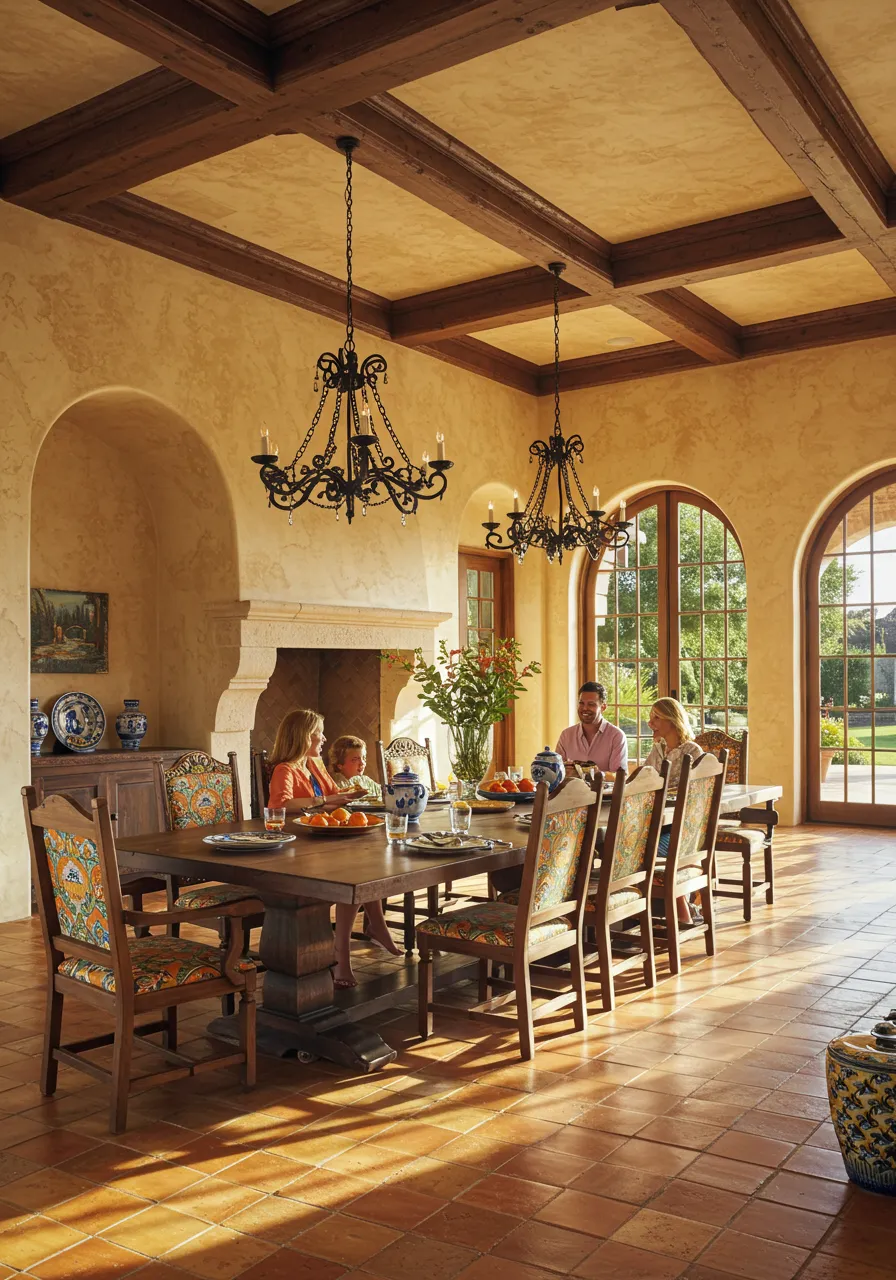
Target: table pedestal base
point(326, 1033)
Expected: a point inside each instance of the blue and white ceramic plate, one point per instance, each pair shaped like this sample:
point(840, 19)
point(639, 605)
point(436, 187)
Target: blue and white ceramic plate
point(78, 721)
point(244, 841)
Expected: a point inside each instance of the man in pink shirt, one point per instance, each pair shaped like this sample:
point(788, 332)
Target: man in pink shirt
point(594, 739)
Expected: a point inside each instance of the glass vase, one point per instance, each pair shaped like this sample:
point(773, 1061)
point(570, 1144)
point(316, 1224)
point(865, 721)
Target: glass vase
point(470, 753)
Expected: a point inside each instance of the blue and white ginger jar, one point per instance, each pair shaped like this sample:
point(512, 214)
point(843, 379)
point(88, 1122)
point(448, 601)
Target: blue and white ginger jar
point(131, 725)
point(548, 767)
point(40, 727)
point(406, 794)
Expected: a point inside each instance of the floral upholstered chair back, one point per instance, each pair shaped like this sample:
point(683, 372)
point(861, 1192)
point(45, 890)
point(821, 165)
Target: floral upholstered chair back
point(401, 752)
point(716, 740)
point(567, 838)
point(699, 793)
point(200, 792)
point(635, 822)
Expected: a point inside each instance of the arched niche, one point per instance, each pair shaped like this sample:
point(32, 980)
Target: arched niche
point(128, 498)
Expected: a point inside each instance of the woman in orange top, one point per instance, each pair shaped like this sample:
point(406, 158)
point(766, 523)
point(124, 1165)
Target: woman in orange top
point(299, 776)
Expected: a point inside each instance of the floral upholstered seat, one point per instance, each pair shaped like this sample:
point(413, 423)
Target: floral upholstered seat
point(157, 963)
point(211, 895)
point(494, 923)
point(688, 872)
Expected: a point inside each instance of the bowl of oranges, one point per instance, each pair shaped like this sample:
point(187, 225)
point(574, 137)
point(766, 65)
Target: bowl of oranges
point(338, 822)
point(522, 792)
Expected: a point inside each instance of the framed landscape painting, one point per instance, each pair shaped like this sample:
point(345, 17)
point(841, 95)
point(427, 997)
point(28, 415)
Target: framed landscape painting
point(69, 632)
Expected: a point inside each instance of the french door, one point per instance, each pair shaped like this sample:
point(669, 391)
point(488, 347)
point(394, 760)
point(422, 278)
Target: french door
point(485, 591)
point(851, 658)
point(666, 616)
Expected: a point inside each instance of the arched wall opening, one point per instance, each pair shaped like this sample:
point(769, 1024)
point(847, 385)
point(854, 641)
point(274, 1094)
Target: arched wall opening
point(127, 499)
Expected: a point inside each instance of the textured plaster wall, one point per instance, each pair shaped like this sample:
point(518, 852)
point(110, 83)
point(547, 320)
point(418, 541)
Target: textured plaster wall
point(92, 530)
point(772, 442)
point(192, 367)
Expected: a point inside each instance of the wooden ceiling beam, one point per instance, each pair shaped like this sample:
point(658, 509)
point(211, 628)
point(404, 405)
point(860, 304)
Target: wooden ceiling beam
point(619, 366)
point(686, 319)
point(764, 56)
point(335, 54)
point(219, 44)
point(490, 362)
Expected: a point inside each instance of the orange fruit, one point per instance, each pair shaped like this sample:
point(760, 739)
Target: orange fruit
point(339, 816)
point(510, 785)
point(357, 819)
point(527, 785)
point(319, 820)
point(305, 820)
point(495, 786)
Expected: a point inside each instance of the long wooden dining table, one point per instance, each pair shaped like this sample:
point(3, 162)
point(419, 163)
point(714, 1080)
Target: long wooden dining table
point(300, 1011)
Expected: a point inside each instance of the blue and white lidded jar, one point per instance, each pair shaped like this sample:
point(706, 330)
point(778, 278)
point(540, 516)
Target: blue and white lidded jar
point(405, 793)
point(131, 725)
point(548, 767)
point(40, 727)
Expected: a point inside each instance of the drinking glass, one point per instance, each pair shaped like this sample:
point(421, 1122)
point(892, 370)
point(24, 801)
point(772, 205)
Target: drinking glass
point(515, 773)
point(274, 819)
point(396, 826)
point(461, 817)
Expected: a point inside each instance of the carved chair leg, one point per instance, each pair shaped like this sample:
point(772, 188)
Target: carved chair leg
point(247, 1022)
point(605, 956)
point(424, 991)
point(523, 987)
point(770, 868)
point(121, 1069)
point(49, 1068)
point(577, 974)
point(709, 918)
point(672, 933)
point(747, 881)
point(647, 945)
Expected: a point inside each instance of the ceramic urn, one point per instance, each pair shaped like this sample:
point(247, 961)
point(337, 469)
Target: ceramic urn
point(406, 793)
point(131, 725)
point(861, 1077)
point(40, 726)
point(548, 767)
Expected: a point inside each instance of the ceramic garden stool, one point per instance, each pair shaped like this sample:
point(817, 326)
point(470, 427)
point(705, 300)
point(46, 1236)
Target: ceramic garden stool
point(861, 1076)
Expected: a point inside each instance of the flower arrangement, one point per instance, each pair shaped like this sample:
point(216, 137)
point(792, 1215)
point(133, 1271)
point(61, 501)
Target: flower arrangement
point(469, 689)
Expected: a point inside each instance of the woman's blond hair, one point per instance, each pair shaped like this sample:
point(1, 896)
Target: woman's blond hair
point(293, 741)
point(338, 749)
point(672, 710)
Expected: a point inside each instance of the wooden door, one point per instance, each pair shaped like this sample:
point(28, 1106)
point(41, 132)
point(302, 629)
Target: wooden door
point(134, 800)
point(485, 605)
point(80, 785)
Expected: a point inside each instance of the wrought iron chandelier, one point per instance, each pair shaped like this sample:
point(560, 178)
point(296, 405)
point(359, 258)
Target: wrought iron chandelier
point(370, 475)
point(575, 525)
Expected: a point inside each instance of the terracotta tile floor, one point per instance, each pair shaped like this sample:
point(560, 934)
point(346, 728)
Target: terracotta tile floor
point(686, 1134)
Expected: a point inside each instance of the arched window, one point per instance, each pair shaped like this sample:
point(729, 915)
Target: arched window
point(667, 616)
point(851, 646)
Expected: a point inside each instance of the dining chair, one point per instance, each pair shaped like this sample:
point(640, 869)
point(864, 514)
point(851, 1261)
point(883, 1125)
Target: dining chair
point(542, 917)
point(91, 957)
point(399, 751)
point(620, 889)
point(689, 866)
point(261, 781)
point(749, 834)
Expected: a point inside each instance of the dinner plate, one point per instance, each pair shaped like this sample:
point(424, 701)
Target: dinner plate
point(78, 721)
point(491, 806)
point(447, 842)
point(370, 805)
point(376, 825)
point(518, 797)
point(249, 841)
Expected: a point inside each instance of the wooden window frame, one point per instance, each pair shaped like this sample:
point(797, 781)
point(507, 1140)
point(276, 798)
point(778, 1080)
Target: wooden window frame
point(501, 564)
point(667, 502)
point(842, 812)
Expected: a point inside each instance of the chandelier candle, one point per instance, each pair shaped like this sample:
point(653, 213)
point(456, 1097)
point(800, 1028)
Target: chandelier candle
point(376, 467)
point(575, 524)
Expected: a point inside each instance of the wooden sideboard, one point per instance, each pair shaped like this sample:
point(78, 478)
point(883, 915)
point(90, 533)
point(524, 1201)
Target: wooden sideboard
point(126, 780)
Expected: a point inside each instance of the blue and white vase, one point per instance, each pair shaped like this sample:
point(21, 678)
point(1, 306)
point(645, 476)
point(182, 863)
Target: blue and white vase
point(548, 767)
point(40, 727)
point(131, 725)
point(405, 793)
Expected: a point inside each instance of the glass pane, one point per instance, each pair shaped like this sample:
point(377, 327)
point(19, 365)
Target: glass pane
point(858, 630)
point(885, 777)
point(714, 684)
point(628, 637)
point(625, 587)
point(832, 776)
point(472, 638)
point(858, 777)
point(487, 614)
point(885, 682)
point(713, 586)
point(858, 682)
point(487, 639)
point(486, 584)
point(628, 721)
point(714, 635)
point(689, 635)
point(650, 642)
point(830, 581)
point(650, 598)
point(650, 678)
point(472, 613)
point(606, 639)
point(860, 728)
point(713, 537)
point(605, 594)
point(472, 582)
point(885, 519)
point(648, 550)
point(835, 541)
point(688, 534)
point(737, 587)
point(689, 674)
point(737, 683)
point(832, 676)
point(606, 675)
point(732, 547)
point(884, 568)
point(737, 718)
point(830, 629)
point(885, 730)
point(858, 579)
point(858, 523)
point(737, 635)
point(689, 589)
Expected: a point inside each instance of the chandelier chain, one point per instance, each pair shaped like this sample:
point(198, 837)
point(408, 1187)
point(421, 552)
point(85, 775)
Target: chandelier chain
point(556, 268)
point(349, 228)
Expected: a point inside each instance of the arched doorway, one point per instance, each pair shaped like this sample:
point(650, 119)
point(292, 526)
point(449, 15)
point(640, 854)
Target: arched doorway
point(666, 616)
point(851, 657)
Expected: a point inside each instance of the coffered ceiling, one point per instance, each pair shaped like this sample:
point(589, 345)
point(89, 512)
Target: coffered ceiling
point(715, 174)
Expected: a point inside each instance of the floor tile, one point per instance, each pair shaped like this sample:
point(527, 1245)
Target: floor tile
point(542, 1244)
point(346, 1240)
point(413, 1257)
point(857, 1242)
point(654, 1157)
point(754, 1258)
point(515, 1196)
point(276, 1219)
point(614, 1260)
point(551, 1167)
point(782, 1222)
point(699, 1203)
point(751, 1148)
point(395, 1206)
point(464, 1224)
point(633, 1186)
point(805, 1192)
point(729, 1175)
point(34, 1241)
point(219, 1254)
point(89, 1260)
point(666, 1233)
point(580, 1211)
